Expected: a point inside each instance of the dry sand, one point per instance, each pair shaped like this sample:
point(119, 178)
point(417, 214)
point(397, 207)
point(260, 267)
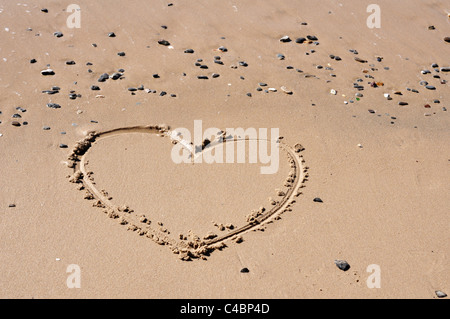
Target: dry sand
point(383, 175)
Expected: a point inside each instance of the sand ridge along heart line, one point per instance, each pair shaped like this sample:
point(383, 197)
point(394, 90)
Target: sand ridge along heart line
point(191, 246)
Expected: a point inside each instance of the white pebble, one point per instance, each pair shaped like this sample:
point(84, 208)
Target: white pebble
point(333, 91)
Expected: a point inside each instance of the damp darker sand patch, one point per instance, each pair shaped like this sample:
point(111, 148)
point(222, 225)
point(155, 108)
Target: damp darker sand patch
point(187, 244)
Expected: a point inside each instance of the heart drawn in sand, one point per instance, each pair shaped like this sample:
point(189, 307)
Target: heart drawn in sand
point(191, 246)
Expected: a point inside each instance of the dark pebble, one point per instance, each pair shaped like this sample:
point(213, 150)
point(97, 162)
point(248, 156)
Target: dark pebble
point(285, 39)
point(156, 76)
point(402, 103)
point(447, 39)
point(53, 105)
point(259, 89)
point(245, 270)
point(33, 61)
point(132, 89)
point(312, 37)
point(121, 54)
point(103, 77)
point(300, 40)
point(95, 88)
point(202, 77)
point(203, 66)
point(223, 49)
point(46, 128)
point(249, 94)
point(164, 42)
point(215, 75)
point(116, 76)
point(44, 10)
point(243, 63)
point(63, 146)
point(189, 51)
point(342, 265)
point(16, 116)
point(70, 62)
point(162, 93)
point(12, 205)
point(111, 35)
point(317, 200)
point(360, 60)
point(15, 123)
point(430, 87)
point(280, 56)
point(445, 69)
point(218, 62)
point(58, 34)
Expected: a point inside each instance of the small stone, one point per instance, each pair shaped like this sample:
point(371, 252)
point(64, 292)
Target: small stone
point(15, 123)
point(342, 265)
point(317, 200)
point(300, 40)
point(53, 105)
point(285, 90)
point(333, 91)
point(440, 294)
point(95, 88)
point(245, 270)
point(111, 35)
point(215, 75)
point(202, 77)
point(45, 10)
point(285, 39)
point(103, 77)
point(223, 49)
point(189, 51)
point(162, 93)
point(402, 103)
point(360, 60)
point(121, 53)
point(12, 205)
point(46, 128)
point(243, 63)
point(447, 39)
point(132, 89)
point(33, 61)
point(280, 56)
point(249, 94)
point(71, 62)
point(116, 76)
point(63, 146)
point(312, 37)
point(430, 87)
point(164, 42)
point(445, 69)
point(48, 72)
point(156, 76)
point(58, 34)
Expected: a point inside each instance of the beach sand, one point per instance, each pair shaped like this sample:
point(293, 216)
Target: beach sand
point(381, 169)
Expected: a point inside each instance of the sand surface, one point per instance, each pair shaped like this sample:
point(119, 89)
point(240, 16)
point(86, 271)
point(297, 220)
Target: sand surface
point(383, 175)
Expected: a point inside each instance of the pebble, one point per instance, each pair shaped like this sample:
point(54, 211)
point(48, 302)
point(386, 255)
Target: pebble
point(245, 270)
point(132, 89)
point(243, 63)
point(164, 42)
point(33, 61)
point(333, 91)
point(280, 56)
point(15, 123)
point(342, 265)
point(103, 77)
point(402, 103)
point(425, 71)
point(312, 37)
point(440, 294)
point(218, 62)
point(95, 88)
point(285, 90)
point(63, 146)
point(48, 72)
point(430, 87)
point(445, 69)
point(360, 60)
point(249, 94)
point(447, 39)
point(300, 40)
point(162, 93)
point(70, 62)
point(111, 35)
point(53, 105)
point(58, 34)
point(317, 200)
point(46, 128)
point(285, 39)
point(202, 77)
point(115, 76)
point(215, 75)
point(189, 51)
point(121, 53)
point(423, 83)
point(44, 10)
point(12, 205)
point(223, 49)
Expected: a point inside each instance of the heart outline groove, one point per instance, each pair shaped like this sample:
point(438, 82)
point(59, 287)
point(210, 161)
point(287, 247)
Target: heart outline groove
point(192, 247)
